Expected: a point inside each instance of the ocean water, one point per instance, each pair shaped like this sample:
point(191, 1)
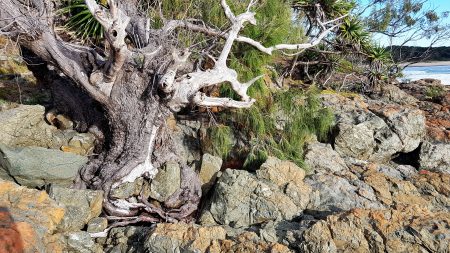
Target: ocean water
point(436, 72)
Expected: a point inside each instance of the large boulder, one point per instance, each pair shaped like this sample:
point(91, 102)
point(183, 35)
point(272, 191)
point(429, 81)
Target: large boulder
point(374, 130)
point(36, 166)
point(320, 157)
point(28, 219)
point(408, 123)
point(276, 192)
point(25, 126)
point(435, 157)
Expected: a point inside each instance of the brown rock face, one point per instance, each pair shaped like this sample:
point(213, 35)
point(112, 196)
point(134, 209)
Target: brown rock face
point(28, 219)
point(407, 228)
point(192, 238)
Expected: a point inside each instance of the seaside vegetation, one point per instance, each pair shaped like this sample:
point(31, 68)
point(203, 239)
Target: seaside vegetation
point(282, 120)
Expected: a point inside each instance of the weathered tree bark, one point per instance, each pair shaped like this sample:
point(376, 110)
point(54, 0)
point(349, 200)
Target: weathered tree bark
point(138, 88)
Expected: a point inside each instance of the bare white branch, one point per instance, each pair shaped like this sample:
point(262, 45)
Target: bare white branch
point(166, 82)
point(114, 21)
point(186, 88)
point(269, 50)
point(202, 99)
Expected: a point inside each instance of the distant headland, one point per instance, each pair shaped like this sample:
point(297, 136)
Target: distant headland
point(435, 54)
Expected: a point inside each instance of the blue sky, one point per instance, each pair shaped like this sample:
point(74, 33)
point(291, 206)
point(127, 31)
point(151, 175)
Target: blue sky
point(440, 6)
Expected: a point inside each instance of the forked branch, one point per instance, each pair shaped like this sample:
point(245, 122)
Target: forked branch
point(114, 22)
point(186, 89)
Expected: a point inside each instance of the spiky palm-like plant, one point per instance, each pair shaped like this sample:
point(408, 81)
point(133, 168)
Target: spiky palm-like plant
point(81, 21)
point(353, 32)
point(379, 58)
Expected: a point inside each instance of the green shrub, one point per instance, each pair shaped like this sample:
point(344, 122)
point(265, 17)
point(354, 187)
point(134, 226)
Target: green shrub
point(435, 92)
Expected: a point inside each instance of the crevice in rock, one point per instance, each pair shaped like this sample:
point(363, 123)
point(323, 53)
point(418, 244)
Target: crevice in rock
point(331, 138)
point(412, 158)
point(322, 215)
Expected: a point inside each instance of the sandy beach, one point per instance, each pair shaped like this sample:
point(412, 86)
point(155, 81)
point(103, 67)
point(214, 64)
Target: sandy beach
point(432, 63)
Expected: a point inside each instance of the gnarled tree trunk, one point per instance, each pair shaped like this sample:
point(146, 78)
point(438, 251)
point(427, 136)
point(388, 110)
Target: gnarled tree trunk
point(138, 87)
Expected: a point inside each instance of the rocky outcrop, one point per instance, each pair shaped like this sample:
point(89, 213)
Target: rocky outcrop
point(242, 199)
point(374, 130)
point(393, 94)
point(358, 184)
point(193, 238)
point(402, 229)
point(36, 167)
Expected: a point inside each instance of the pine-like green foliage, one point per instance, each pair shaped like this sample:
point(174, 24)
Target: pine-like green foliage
point(283, 125)
point(218, 141)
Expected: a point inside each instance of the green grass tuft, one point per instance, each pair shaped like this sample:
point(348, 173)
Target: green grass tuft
point(218, 141)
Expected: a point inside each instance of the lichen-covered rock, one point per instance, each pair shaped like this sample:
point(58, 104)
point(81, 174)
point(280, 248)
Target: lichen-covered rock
point(25, 126)
point(321, 157)
point(402, 229)
point(408, 123)
point(374, 130)
point(392, 93)
point(276, 192)
point(80, 242)
point(96, 225)
point(435, 157)
point(376, 187)
point(81, 206)
point(36, 166)
point(128, 189)
point(355, 140)
point(166, 182)
point(208, 171)
point(28, 218)
point(333, 193)
point(193, 238)
point(437, 109)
